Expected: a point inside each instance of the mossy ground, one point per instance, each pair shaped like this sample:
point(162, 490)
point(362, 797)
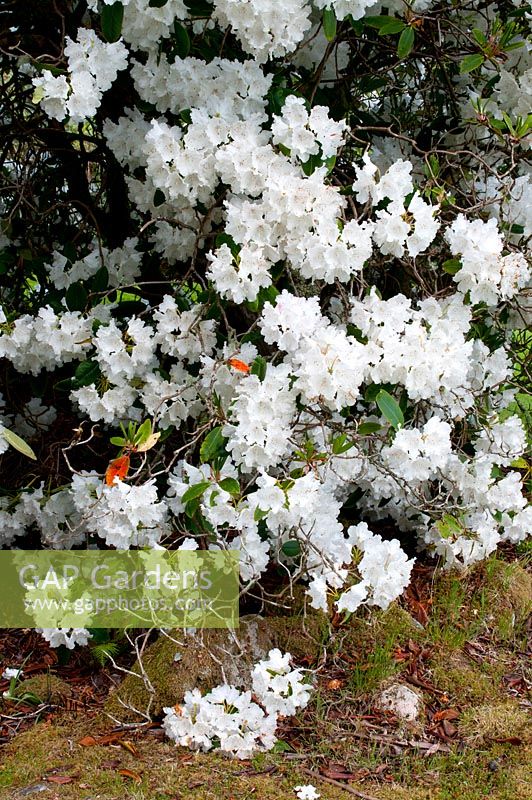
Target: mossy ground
point(472, 741)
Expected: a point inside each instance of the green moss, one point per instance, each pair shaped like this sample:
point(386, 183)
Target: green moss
point(464, 682)
point(200, 661)
point(495, 721)
point(46, 688)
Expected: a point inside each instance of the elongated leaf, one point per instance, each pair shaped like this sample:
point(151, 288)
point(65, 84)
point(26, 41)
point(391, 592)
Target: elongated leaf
point(195, 491)
point(406, 42)
point(378, 22)
point(368, 427)
point(329, 24)
point(182, 40)
point(469, 63)
point(19, 444)
point(390, 409)
point(143, 432)
point(111, 19)
point(76, 297)
point(212, 445)
point(341, 444)
point(394, 26)
point(148, 443)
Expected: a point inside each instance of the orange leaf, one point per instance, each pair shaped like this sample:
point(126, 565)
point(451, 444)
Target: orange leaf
point(241, 366)
point(117, 469)
point(128, 773)
point(88, 741)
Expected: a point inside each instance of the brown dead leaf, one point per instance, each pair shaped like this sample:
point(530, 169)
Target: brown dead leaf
point(338, 772)
point(130, 747)
point(129, 773)
point(111, 738)
point(88, 741)
point(335, 684)
point(445, 713)
point(61, 779)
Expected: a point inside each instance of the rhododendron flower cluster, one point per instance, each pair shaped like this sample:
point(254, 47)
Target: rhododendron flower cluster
point(239, 722)
point(276, 233)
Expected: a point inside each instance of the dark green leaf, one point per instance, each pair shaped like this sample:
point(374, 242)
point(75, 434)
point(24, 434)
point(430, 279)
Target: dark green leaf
point(390, 409)
point(182, 40)
point(157, 3)
point(469, 63)
point(100, 280)
point(329, 23)
point(195, 491)
point(76, 297)
point(378, 22)
point(406, 42)
point(230, 485)
point(86, 373)
point(292, 548)
point(212, 445)
point(366, 428)
point(394, 26)
point(258, 367)
point(111, 19)
point(158, 198)
point(341, 444)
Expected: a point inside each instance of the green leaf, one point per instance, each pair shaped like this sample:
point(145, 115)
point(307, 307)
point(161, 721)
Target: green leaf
point(329, 24)
point(19, 444)
point(406, 42)
point(157, 3)
point(393, 26)
point(100, 280)
point(469, 63)
point(213, 445)
point(292, 548)
point(367, 428)
point(158, 198)
point(258, 367)
point(76, 297)
point(378, 22)
point(479, 36)
point(449, 526)
point(520, 463)
point(390, 409)
point(195, 491)
point(118, 441)
point(259, 514)
point(182, 40)
point(86, 373)
point(452, 266)
point(143, 432)
point(341, 444)
point(230, 485)
point(111, 20)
